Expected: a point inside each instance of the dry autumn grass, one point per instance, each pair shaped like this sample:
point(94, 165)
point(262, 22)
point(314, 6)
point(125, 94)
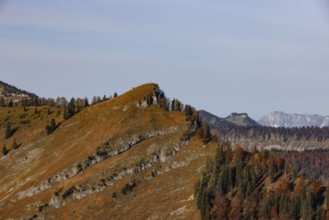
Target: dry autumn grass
point(164, 168)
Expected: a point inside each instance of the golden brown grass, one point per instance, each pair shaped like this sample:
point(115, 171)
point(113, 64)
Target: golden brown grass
point(168, 195)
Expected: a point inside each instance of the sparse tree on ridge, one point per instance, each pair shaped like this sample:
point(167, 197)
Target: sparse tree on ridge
point(206, 133)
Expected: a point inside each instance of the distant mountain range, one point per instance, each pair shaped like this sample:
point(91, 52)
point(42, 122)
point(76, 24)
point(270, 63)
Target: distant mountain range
point(235, 119)
point(281, 119)
point(274, 119)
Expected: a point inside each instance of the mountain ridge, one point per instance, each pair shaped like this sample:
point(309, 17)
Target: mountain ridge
point(128, 151)
point(234, 119)
point(282, 119)
point(127, 157)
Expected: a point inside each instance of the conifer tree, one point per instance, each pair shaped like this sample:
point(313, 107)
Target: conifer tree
point(8, 131)
point(14, 145)
point(206, 133)
point(53, 124)
point(271, 170)
point(10, 103)
point(51, 128)
point(188, 110)
point(2, 102)
point(283, 205)
point(86, 104)
point(5, 150)
point(71, 107)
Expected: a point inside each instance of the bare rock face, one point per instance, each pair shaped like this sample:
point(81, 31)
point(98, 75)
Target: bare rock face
point(280, 119)
point(156, 97)
point(110, 149)
point(56, 202)
point(234, 119)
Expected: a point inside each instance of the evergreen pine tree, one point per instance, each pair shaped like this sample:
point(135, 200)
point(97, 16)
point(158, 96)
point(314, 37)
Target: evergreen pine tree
point(115, 95)
point(2, 102)
point(271, 170)
point(8, 131)
point(5, 150)
point(53, 124)
point(15, 145)
point(327, 198)
point(86, 104)
point(66, 114)
point(306, 208)
point(283, 204)
point(188, 110)
point(293, 212)
point(206, 133)
point(71, 107)
point(10, 103)
point(51, 128)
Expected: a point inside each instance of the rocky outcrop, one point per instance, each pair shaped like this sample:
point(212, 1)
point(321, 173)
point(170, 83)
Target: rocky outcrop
point(110, 149)
point(234, 119)
point(157, 97)
point(83, 190)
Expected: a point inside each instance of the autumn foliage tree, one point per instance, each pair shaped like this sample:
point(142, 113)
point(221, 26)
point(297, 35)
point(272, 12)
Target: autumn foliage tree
point(238, 185)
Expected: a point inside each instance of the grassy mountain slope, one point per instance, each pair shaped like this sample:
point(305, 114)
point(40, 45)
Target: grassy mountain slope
point(123, 158)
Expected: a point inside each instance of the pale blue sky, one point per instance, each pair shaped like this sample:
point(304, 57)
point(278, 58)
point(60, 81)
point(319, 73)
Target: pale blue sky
point(224, 56)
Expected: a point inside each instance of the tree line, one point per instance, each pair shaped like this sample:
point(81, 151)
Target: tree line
point(59, 102)
point(266, 133)
point(237, 184)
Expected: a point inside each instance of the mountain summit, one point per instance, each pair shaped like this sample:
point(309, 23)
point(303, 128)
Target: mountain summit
point(241, 119)
point(234, 119)
point(281, 119)
point(125, 158)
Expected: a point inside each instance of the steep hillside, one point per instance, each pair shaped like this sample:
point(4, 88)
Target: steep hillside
point(280, 119)
point(301, 147)
point(125, 158)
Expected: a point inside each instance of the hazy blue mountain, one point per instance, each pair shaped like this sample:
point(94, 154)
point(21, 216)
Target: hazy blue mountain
point(281, 119)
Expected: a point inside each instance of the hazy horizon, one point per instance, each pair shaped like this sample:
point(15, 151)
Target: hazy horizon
point(223, 57)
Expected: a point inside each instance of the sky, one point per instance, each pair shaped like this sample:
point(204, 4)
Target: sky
point(254, 56)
